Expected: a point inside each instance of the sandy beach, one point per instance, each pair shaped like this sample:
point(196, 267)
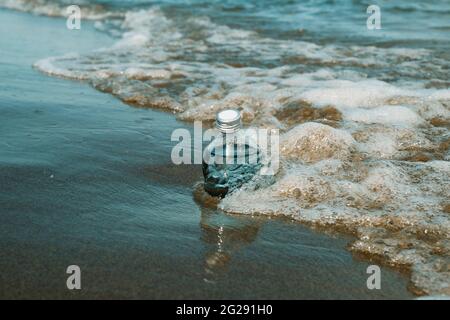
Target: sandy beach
point(87, 178)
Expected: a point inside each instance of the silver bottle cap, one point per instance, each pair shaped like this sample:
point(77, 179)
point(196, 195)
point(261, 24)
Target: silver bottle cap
point(228, 121)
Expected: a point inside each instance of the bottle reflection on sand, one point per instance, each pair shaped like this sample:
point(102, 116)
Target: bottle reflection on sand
point(224, 235)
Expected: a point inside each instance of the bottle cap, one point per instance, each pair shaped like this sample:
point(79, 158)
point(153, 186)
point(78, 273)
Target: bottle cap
point(228, 121)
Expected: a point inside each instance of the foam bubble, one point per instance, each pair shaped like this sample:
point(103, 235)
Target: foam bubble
point(349, 94)
point(391, 115)
point(311, 142)
point(58, 9)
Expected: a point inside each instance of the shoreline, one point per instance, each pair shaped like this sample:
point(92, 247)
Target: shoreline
point(141, 159)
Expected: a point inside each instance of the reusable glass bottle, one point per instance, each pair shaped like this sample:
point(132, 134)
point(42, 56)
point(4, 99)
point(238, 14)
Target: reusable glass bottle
point(232, 158)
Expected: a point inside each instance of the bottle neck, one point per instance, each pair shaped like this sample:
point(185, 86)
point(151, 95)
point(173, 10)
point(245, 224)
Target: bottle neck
point(229, 133)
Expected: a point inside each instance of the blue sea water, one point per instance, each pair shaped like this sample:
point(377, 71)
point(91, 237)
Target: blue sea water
point(410, 23)
point(87, 180)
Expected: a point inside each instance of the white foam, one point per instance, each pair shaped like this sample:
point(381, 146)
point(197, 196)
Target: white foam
point(440, 95)
point(352, 176)
point(58, 9)
point(389, 115)
point(380, 145)
point(139, 73)
point(349, 94)
point(311, 142)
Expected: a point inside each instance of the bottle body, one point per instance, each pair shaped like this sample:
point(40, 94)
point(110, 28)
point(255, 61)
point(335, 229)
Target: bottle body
point(229, 161)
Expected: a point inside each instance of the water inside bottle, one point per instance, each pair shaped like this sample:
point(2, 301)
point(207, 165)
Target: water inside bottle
point(230, 168)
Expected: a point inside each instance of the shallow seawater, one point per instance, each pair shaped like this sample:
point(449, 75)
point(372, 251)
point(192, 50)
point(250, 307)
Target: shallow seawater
point(364, 116)
point(87, 180)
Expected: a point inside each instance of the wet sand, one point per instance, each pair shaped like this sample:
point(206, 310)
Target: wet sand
point(87, 180)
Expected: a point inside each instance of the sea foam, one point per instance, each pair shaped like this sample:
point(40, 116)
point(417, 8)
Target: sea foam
point(365, 138)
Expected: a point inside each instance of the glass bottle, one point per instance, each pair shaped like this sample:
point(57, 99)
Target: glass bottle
point(232, 158)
